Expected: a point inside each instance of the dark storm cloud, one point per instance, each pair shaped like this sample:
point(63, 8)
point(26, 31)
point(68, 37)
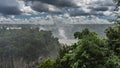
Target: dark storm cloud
point(100, 8)
point(9, 7)
point(58, 3)
point(38, 6)
point(78, 12)
point(43, 5)
point(9, 10)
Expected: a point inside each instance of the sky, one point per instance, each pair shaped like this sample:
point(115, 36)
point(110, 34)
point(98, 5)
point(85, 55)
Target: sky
point(70, 7)
point(72, 11)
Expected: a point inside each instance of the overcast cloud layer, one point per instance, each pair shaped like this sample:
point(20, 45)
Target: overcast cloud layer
point(71, 7)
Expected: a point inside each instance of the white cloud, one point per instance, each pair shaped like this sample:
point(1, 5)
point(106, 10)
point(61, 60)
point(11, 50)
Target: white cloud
point(61, 19)
point(26, 10)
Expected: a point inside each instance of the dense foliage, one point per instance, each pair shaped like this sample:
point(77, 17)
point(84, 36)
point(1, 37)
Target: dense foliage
point(46, 64)
point(91, 51)
point(27, 44)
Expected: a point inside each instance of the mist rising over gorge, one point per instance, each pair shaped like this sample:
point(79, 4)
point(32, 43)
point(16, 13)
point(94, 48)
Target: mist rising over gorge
point(62, 27)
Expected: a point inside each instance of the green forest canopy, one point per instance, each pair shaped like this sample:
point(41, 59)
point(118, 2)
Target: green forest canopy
point(26, 43)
